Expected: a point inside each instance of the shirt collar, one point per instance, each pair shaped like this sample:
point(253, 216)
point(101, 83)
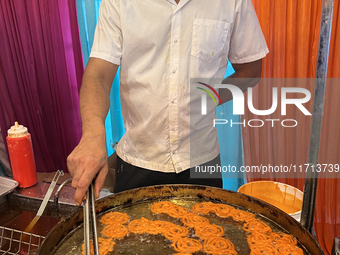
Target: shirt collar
point(180, 4)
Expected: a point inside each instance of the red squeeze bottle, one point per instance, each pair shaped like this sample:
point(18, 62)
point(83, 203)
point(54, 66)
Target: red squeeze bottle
point(21, 156)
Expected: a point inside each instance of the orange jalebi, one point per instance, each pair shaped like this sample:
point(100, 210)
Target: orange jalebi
point(175, 232)
point(203, 208)
point(104, 246)
point(239, 215)
point(139, 226)
point(261, 239)
point(287, 249)
point(256, 225)
point(223, 210)
point(117, 231)
point(177, 212)
point(161, 207)
point(273, 243)
point(169, 208)
point(218, 245)
point(266, 248)
point(283, 238)
point(193, 220)
point(115, 218)
point(187, 245)
point(209, 230)
point(258, 238)
point(158, 227)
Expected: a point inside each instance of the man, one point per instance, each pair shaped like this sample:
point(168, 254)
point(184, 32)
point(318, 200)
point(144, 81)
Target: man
point(160, 45)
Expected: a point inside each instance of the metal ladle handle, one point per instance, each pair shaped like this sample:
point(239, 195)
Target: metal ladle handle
point(56, 196)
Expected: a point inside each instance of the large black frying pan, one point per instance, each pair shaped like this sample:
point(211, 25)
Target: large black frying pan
point(63, 231)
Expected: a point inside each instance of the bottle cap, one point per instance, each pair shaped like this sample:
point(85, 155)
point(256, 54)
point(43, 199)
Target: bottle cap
point(17, 130)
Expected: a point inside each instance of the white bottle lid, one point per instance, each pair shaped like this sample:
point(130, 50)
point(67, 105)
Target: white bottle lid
point(17, 130)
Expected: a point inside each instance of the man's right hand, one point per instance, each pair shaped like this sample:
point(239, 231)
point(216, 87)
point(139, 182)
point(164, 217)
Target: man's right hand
point(87, 160)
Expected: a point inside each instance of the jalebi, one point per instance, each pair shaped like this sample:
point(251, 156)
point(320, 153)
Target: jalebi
point(256, 225)
point(209, 230)
point(114, 218)
point(287, 249)
point(193, 220)
point(219, 245)
point(266, 248)
point(162, 207)
point(104, 246)
point(169, 208)
point(258, 238)
point(270, 243)
point(117, 231)
point(175, 232)
point(187, 245)
point(158, 227)
point(203, 208)
point(284, 239)
point(223, 210)
point(139, 226)
point(239, 215)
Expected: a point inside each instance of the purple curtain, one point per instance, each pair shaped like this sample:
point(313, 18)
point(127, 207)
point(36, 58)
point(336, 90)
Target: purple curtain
point(41, 68)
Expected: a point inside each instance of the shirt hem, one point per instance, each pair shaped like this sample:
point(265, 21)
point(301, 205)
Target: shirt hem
point(167, 168)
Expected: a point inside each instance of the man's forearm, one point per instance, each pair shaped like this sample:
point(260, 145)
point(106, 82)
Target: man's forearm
point(95, 96)
point(94, 106)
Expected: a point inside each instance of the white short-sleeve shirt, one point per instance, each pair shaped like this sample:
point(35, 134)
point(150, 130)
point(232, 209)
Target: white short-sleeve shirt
point(160, 45)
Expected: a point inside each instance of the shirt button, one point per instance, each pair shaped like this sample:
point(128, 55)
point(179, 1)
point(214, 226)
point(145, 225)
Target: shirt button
point(175, 41)
point(172, 101)
point(173, 71)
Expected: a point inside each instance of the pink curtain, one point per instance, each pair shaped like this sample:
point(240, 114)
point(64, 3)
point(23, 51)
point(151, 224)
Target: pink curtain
point(41, 68)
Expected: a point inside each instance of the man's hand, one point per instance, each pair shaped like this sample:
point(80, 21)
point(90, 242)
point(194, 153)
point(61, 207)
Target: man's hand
point(89, 159)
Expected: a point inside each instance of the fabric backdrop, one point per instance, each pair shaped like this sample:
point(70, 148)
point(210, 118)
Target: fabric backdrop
point(40, 75)
point(292, 29)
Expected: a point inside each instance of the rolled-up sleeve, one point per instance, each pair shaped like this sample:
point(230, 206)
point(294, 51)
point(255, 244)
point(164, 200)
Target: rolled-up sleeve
point(107, 43)
point(247, 42)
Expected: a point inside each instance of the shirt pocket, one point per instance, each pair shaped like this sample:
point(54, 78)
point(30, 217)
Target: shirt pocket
point(209, 39)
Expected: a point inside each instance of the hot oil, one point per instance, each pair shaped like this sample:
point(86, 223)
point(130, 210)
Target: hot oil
point(157, 244)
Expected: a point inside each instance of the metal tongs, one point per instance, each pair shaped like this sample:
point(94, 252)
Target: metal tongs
point(90, 224)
